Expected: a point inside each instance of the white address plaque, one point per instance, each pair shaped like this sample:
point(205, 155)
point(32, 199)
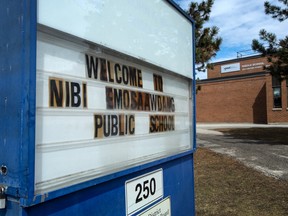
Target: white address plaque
point(160, 209)
point(143, 190)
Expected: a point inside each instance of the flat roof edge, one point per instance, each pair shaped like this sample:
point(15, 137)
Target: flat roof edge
point(237, 59)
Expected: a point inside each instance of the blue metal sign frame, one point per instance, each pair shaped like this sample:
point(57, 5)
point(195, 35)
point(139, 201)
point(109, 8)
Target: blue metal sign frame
point(18, 25)
point(17, 95)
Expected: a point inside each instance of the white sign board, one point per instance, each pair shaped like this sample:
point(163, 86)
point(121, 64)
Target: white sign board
point(252, 66)
point(97, 114)
point(153, 31)
point(160, 209)
point(230, 68)
point(144, 190)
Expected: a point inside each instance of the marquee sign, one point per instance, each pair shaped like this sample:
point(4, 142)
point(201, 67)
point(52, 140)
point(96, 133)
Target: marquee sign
point(105, 108)
point(97, 113)
point(99, 110)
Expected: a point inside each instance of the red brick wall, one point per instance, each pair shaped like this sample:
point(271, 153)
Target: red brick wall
point(278, 115)
point(235, 101)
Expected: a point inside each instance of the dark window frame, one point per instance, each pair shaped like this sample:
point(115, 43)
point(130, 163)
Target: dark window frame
point(276, 87)
point(287, 92)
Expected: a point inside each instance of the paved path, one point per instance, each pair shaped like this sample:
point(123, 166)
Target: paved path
point(270, 159)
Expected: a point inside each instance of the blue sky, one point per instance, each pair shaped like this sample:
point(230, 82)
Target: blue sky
point(239, 22)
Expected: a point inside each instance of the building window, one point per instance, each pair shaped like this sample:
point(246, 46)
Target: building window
point(287, 90)
point(276, 85)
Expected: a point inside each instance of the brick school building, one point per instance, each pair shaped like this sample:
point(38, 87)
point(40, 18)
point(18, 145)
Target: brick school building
point(240, 91)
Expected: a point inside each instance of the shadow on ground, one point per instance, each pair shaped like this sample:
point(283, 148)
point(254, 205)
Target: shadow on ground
point(271, 136)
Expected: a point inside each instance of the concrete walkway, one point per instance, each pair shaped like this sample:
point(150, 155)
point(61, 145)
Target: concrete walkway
point(272, 160)
point(208, 128)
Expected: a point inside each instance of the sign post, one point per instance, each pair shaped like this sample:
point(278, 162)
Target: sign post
point(97, 108)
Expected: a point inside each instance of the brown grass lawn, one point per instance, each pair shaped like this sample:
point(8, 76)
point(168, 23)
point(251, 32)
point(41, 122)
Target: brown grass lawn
point(223, 186)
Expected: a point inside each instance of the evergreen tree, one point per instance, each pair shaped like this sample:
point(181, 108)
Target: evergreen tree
point(277, 12)
point(275, 50)
point(206, 40)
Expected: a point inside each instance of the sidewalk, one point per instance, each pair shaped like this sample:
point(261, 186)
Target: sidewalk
point(265, 156)
point(208, 128)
